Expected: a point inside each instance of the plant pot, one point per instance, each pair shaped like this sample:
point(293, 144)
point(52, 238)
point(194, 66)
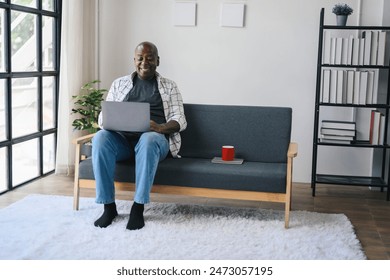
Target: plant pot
point(341, 20)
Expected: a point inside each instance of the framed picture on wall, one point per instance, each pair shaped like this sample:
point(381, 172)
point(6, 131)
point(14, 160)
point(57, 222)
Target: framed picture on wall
point(232, 14)
point(184, 14)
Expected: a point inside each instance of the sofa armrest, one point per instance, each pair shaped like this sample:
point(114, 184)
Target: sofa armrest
point(83, 139)
point(292, 150)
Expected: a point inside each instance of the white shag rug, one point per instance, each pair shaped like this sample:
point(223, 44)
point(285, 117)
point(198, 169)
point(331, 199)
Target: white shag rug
point(45, 227)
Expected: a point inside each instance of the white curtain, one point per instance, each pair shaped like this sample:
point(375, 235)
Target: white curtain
point(79, 62)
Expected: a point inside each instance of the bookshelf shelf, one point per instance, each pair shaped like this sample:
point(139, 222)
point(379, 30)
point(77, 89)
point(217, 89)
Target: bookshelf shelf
point(374, 27)
point(328, 96)
point(356, 144)
point(355, 105)
point(350, 180)
point(355, 66)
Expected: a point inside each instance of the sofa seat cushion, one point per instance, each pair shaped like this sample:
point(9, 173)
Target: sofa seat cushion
point(202, 173)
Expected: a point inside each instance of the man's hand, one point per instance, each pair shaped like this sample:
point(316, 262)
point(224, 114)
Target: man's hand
point(165, 128)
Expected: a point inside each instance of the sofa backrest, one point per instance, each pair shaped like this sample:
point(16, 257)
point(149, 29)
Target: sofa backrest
point(258, 133)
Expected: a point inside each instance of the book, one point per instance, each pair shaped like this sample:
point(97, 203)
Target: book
point(361, 51)
point(339, 50)
point(350, 84)
point(374, 127)
point(350, 50)
point(325, 86)
point(363, 87)
point(370, 87)
point(374, 47)
point(338, 124)
point(382, 130)
point(355, 51)
point(332, 50)
point(338, 132)
point(356, 88)
point(221, 161)
point(337, 137)
point(375, 86)
point(327, 47)
point(372, 117)
point(340, 87)
point(345, 84)
point(333, 86)
point(335, 141)
point(367, 35)
point(381, 48)
point(344, 51)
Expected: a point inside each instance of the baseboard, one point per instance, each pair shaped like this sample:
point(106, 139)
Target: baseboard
point(67, 170)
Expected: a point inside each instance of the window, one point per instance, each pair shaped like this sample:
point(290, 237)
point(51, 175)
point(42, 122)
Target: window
point(29, 76)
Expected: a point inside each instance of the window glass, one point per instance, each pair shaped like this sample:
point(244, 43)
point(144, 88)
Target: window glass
point(25, 161)
point(48, 5)
point(2, 40)
point(3, 170)
point(48, 109)
point(47, 43)
point(24, 106)
point(48, 153)
point(27, 3)
point(2, 111)
point(23, 41)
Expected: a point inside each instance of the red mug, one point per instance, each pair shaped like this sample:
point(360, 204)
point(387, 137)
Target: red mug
point(228, 153)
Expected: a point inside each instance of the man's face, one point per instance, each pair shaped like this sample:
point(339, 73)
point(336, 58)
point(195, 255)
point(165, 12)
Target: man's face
point(146, 62)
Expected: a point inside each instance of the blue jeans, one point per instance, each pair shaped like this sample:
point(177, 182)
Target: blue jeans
point(110, 147)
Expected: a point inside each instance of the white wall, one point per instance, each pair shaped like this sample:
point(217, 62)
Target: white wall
point(271, 61)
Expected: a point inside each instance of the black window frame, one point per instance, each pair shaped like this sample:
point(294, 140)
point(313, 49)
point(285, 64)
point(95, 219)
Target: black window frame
point(8, 75)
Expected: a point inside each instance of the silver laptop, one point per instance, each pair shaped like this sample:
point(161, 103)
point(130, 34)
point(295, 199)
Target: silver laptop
point(126, 116)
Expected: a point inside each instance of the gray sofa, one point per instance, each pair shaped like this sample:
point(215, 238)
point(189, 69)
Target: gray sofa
point(261, 136)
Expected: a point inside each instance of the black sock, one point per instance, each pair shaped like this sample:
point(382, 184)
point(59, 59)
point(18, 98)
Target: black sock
point(136, 219)
point(108, 216)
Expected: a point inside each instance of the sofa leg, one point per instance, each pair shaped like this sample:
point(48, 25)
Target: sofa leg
point(287, 216)
point(76, 195)
point(288, 192)
point(287, 206)
point(76, 187)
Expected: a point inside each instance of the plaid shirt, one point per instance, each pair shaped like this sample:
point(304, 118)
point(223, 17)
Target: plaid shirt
point(172, 103)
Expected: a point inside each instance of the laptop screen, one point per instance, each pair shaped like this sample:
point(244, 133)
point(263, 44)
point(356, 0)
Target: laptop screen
point(126, 116)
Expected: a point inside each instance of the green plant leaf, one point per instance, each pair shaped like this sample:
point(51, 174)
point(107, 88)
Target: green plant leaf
point(88, 106)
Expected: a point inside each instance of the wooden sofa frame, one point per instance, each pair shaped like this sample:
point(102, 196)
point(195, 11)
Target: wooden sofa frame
point(191, 191)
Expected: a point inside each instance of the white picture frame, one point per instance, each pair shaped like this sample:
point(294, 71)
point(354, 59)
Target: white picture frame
point(232, 14)
point(184, 14)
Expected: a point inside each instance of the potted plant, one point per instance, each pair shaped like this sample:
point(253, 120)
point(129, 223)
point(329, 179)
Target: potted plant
point(88, 106)
point(342, 11)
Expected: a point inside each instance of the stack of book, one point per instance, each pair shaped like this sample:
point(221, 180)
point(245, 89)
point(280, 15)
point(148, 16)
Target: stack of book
point(377, 128)
point(342, 132)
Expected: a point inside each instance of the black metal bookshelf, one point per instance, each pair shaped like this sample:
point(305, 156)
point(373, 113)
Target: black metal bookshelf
point(382, 181)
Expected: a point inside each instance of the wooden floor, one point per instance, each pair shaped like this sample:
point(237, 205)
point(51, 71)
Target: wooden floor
point(367, 209)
